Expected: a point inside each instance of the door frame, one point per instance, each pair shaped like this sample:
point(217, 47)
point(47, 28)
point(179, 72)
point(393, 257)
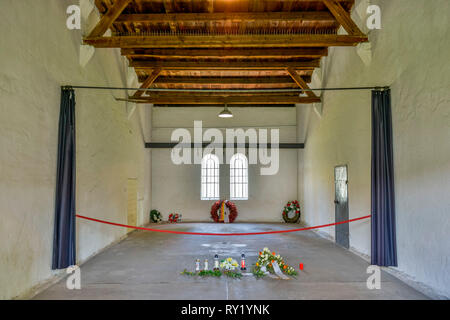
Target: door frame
point(343, 230)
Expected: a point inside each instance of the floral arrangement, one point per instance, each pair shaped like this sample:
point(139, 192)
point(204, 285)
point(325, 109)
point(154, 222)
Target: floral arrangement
point(266, 259)
point(291, 206)
point(229, 264)
point(212, 273)
point(217, 206)
point(174, 217)
point(155, 216)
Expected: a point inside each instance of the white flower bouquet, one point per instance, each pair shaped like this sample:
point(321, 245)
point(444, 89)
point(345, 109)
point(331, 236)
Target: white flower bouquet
point(267, 258)
point(229, 264)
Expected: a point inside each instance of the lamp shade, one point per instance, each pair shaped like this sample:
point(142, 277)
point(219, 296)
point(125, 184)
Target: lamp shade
point(225, 113)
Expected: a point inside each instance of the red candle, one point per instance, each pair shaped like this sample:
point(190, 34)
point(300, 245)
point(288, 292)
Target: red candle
point(243, 262)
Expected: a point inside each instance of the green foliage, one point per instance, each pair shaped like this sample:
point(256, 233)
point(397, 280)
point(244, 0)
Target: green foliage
point(188, 273)
point(210, 273)
point(203, 273)
point(257, 272)
point(232, 274)
point(155, 216)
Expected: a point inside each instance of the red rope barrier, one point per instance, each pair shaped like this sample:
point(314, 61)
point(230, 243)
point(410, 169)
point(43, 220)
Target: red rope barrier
point(222, 234)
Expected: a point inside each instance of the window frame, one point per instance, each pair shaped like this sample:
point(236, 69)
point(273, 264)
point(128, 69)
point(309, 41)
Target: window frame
point(210, 176)
point(242, 174)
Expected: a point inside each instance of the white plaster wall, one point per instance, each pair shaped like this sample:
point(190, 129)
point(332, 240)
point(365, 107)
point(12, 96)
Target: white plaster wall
point(176, 188)
point(410, 53)
point(303, 115)
point(39, 54)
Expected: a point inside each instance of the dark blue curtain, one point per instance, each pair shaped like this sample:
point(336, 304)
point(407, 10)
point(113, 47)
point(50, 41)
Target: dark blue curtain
point(384, 248)
point(64, 230)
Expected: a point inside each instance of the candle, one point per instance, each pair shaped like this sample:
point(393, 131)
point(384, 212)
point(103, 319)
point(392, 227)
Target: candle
point(197, 265)
point(243, 262)
point(216, 262)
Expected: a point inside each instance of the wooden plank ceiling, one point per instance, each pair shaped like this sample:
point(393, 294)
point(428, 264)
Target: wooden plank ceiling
point(224, 44)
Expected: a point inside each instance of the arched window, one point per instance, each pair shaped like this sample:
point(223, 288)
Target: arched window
point(238, 177)
point(210, 178)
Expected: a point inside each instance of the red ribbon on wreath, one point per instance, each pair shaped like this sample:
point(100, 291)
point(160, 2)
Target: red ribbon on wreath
point(174, 217)
point(231, 207)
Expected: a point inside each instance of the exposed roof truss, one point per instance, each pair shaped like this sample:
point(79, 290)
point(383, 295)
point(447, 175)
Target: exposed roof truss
point(224, 44)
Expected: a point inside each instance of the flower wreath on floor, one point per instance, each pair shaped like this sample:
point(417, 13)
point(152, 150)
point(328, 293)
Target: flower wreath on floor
point(218, 211)
point(291, 206)
point(155, 216)
point(174, 217)
point(268, 261)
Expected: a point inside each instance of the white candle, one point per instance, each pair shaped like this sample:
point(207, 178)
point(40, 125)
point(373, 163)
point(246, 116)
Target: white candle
point(216, 262)
point(197, 265)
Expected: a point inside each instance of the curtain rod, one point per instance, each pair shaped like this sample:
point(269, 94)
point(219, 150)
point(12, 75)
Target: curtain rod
point(226, 90)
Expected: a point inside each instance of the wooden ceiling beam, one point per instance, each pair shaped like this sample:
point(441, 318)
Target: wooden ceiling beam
point(109, 17)
point(223, 65)
point(286, 53)
point(226, 41)
point(231, 86)
point(193, 98)
point(224, 73)
point(102, 8)
point(210, 5)
point(343, 17)
point(215, 93)
point(300, 82)
point(148, 82)
point(256, 105)
point(210, 9)
point(228, 80)
point(168, 6)
point(170, 17)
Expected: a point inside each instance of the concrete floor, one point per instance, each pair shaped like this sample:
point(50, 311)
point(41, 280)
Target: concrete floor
point(147, 265)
